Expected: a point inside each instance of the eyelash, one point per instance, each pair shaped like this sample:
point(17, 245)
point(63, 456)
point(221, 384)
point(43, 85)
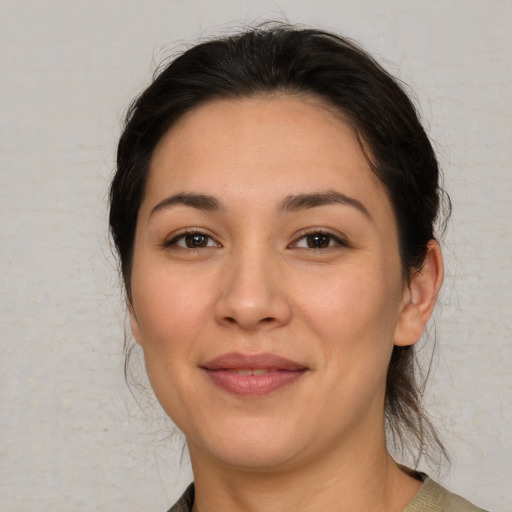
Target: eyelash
point(183, 236)
point(332, 240)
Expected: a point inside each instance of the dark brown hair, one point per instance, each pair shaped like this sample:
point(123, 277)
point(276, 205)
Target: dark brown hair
point(277, 58)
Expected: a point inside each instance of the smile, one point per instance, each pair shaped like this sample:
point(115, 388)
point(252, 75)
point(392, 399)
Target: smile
point(260, 371)
point(253, 375)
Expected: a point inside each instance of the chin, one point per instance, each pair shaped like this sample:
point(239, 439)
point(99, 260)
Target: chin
point(252, 448)
point(254, 459)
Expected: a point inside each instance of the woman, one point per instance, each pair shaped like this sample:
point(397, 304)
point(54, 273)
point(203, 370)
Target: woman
point(273, 210)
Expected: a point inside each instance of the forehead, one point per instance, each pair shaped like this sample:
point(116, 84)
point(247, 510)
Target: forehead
point(260, 147)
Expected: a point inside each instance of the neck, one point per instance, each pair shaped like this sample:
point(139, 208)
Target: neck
point(343, 479)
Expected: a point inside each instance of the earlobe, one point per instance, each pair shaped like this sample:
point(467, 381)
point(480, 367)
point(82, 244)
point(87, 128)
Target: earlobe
point(134, 324)
point(420, 297)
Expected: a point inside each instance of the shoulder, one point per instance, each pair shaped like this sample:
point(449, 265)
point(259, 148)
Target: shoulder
point(432, 497)
point(184, 504)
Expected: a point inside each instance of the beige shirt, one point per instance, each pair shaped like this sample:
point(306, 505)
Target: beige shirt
point(434, 498)
point(430, 498)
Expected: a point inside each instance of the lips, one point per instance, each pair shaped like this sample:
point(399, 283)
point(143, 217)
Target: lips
point(252, 375)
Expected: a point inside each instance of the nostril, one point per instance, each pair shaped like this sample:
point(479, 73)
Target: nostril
point(267, 320)
point(251, 311)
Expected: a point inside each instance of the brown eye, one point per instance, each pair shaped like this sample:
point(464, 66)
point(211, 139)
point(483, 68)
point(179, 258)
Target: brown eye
point(318, 241)
point(196, 240)
point(192, 240)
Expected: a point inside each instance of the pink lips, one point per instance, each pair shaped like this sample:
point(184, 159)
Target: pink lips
point(252, 375)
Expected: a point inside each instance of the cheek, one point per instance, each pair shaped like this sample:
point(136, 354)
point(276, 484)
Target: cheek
point(351, 319)
point(352, 303)
point(171, 315)
point(170, 308)
point(353, 314)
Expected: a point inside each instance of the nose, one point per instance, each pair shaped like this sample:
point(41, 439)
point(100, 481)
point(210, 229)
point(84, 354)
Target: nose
point(253, 293)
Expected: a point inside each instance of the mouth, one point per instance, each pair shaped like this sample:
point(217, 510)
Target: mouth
point(252, 375)
point(253, 371)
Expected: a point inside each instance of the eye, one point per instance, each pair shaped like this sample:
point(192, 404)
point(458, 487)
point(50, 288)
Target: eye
point(318, 240)
point(192, 240)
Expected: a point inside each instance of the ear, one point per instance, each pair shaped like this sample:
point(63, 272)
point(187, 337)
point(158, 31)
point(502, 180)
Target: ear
point(134, 324)
point(420, 297)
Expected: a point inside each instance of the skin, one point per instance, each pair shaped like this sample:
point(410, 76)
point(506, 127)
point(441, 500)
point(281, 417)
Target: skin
point(256, 286)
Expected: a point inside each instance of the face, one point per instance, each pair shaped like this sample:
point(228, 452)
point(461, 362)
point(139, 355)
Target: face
point(267, 289)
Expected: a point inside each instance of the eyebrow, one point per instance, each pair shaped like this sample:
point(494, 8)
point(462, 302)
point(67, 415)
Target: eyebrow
point(290, 203)
point(198, 201)
point(305, 201)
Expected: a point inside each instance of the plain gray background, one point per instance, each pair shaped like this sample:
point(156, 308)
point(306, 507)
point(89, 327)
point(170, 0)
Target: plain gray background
point(71, 436)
